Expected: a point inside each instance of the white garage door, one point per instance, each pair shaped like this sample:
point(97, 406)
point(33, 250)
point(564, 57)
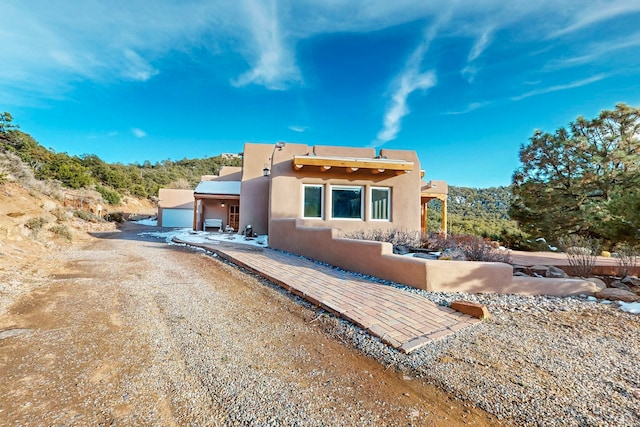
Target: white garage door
point(182, 218)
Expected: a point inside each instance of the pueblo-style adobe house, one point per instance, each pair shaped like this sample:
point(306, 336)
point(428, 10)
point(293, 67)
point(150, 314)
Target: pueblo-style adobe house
point(307, 198)
point(350, 189)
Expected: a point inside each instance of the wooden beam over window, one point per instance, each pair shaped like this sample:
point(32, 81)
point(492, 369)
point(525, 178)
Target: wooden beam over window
point(352, 164)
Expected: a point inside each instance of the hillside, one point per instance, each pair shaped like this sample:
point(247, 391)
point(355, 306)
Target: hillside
point(490, 202)
point(111, 180)
point(482, 212)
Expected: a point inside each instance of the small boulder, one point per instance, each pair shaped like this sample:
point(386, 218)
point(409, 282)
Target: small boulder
point(555, 273)
point(631, 281)
point(615, 294)
point(619, 285)
point(598, 282)
point(400, 250)
point(519, 268)
point(473, 309)
point(539, 269)
point(453, 254)
point(520, 274)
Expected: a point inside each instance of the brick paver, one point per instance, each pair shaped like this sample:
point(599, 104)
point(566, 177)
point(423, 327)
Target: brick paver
point(401, 319)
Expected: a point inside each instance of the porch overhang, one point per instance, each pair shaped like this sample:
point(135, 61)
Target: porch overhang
point(216, 196)
point(352, 164)
point(434, 190)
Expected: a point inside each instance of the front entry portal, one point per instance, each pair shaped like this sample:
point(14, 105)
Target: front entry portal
point(233, 218)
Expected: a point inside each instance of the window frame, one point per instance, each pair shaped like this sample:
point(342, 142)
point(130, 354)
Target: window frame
point(371, 210)
point(360, 188)
point(321, 210)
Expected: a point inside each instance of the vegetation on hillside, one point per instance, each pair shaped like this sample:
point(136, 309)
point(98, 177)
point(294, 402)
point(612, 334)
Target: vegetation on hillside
point(110, 180)
point(584, 179)
point(480, 212)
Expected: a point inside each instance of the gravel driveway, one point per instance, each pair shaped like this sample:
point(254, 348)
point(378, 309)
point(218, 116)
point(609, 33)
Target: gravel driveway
point(124, 331)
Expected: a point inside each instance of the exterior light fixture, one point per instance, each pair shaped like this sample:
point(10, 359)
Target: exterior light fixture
point(266, 171)
point(222, 204)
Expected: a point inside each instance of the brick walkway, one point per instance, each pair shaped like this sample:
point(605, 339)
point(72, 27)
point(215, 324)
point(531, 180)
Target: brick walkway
point(404, 320)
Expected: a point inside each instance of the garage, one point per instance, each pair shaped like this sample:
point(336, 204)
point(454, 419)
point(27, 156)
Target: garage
point(182, 218)
point(175, 208)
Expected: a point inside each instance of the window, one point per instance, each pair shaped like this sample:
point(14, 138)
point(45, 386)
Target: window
point(313, 197)
point(346, 202)
point(380, 203)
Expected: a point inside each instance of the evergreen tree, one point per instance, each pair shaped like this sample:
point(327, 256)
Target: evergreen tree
point(579, 179)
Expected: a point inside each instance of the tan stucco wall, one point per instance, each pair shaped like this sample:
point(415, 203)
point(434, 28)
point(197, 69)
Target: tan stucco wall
point(254, 193)
point(229, 173)
point(377, 259)
point(286, 190)
point(169, 198)
point(435, 187)
point(334, 151)
point(177, 199)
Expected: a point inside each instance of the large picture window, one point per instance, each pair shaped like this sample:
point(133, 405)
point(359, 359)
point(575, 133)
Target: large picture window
point(313, 196)
point(380, 203)
point(346, 202)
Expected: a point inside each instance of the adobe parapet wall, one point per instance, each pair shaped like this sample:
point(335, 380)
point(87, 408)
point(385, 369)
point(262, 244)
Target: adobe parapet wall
point(377, 259)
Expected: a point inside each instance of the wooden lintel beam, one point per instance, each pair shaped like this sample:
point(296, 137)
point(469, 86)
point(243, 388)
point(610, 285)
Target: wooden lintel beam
point(299, 161)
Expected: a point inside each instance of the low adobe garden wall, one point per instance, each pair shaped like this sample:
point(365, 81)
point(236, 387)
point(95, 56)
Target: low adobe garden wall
point(377, 259)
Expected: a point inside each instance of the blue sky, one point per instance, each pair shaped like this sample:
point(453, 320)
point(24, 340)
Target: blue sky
point(464, 83)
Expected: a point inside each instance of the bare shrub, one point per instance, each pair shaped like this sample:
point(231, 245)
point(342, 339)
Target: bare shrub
point(627, 258)
point(61, 230)
point(15, 170)
point(60, 214)
point(35, 225)
point(395, 237)
point(438, 241)
point(476, 248)
point(87, 216)
point(581, 253)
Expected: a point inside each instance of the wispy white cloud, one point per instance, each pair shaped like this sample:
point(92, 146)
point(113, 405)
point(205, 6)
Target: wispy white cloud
point(481, 43)
point(409, 80)
point(595, 12)
point(471, 107)
point(596, 52)
point(557, 88)
point(138, 133)
point(298, 129)
point(273, 62)
point(136, 68)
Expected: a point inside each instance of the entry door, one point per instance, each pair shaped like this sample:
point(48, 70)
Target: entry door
point(234, 216)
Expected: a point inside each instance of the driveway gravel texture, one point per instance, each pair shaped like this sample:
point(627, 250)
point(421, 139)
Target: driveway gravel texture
point(127, 330)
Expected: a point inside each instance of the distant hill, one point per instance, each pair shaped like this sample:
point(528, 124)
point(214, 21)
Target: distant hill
point(490, 202)
point(481, 212)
